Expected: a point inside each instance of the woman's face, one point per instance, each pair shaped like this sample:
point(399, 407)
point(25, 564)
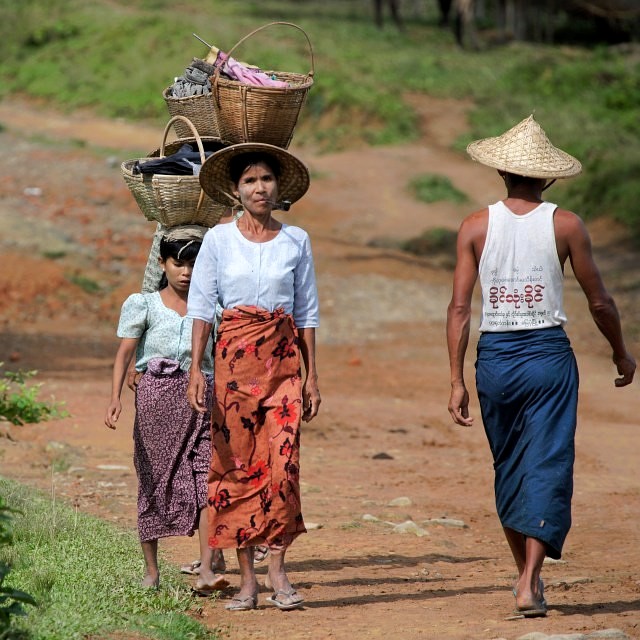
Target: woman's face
point(257, 189)
point(178, 273)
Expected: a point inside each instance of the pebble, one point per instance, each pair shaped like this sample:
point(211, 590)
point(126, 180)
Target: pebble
point(570, 582)
point(112, 467)
point(402, 501)
point(367, 517)
point(447, 522)
point(382, 456)
point(409, 526)
point(53, 445)
point(311, 526)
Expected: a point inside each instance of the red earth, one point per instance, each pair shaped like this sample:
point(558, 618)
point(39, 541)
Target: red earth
point(74, 245)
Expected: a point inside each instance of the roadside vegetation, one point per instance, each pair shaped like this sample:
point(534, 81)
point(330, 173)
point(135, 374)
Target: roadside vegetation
point(117, 56)
point(19, 401)
point(77, 580)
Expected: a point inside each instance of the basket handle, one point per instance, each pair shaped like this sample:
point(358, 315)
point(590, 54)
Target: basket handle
point(216, 73)
point(196, 135)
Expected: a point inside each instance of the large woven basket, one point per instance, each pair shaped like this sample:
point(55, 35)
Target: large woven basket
point(173, 200)
point(200, 110)
point(250, 113)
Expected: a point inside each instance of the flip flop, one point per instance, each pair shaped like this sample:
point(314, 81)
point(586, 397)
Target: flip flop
point(243, 604)
point(543, 602)
point(294, 600)
point(537, 610)
point(192, 569)
point(206, 590)
point(260, 552)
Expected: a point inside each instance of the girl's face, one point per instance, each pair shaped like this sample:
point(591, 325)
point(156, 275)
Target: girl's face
point(178, 273)
point(258, 189)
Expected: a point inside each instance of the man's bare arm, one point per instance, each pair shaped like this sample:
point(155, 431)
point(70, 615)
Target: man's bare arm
point(601, 304)
point(459, 317)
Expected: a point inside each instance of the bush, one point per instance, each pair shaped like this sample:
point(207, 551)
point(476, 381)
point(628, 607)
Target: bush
point(19, 402)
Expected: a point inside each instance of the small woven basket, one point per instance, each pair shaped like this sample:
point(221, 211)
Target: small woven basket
point(173, 200)
point(250, 113)
point(200, 110)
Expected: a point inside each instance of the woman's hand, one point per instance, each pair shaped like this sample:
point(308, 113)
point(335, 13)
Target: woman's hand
point(113, 413)
point(195, 391)
point(133, 378)
point(310, 399)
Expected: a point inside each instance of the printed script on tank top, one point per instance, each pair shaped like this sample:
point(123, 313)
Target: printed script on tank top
point(515, 301)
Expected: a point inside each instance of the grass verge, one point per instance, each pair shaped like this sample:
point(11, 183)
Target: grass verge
point(84, 575)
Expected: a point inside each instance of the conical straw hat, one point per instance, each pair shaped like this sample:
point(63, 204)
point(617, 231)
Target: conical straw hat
point(216, 181)
point(526, 151)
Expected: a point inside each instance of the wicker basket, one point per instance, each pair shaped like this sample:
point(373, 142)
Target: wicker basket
point(173, 200)
point(250, 113)
point(200, 110)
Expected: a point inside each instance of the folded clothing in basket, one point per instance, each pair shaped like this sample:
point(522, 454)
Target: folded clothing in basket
point(184, 162)
point(194, 82)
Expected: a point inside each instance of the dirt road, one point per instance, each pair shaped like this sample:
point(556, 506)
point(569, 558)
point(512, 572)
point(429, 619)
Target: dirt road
point(75, 246)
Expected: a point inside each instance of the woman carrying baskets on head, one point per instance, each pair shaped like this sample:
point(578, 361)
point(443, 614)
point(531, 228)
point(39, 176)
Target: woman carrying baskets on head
point(172, 446)
point(261, 273)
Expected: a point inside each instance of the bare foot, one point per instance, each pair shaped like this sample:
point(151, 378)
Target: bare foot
point(150, 581)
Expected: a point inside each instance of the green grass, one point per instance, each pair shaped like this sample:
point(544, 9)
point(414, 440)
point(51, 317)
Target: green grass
point(86, 284)
point(117, 56)
point(84, 575)
point(434, 188)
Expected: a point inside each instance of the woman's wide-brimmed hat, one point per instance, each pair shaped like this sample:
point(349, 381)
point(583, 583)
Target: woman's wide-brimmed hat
point(216, 181)
point(526, 151)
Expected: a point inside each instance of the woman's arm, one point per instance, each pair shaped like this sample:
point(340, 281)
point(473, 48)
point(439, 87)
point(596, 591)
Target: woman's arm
point(310, 393)
point(124, 355)
point(200, 333)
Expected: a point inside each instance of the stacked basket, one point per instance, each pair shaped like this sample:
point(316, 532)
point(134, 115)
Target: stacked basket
point(233, 112)
point(238, 112)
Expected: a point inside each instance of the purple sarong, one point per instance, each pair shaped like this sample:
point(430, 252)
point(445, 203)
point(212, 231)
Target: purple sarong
point(172, 452)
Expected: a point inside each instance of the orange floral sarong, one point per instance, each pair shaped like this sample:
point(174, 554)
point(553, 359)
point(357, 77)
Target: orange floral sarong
point(254, 482)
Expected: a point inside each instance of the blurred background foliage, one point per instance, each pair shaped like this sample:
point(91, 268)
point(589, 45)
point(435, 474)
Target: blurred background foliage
point(117, 56)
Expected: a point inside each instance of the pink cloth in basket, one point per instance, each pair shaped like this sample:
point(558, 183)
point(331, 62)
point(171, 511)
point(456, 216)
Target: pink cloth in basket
point(249, 75)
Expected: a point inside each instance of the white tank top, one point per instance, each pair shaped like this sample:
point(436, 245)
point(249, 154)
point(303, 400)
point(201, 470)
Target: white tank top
point(520, 273)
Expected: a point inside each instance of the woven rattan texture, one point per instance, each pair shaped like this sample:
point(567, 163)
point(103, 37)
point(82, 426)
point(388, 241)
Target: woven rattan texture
point(525, 150)
point(215, 180)
point(200, 110)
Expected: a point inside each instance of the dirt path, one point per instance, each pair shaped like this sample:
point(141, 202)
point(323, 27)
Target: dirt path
point(384, 376)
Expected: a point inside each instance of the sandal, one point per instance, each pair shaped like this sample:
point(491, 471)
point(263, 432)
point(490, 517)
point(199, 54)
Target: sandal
point(243, 604)
point(291, 600)
point(192, 569)
point(218, 565)
point(537, 609)
point(260, 552)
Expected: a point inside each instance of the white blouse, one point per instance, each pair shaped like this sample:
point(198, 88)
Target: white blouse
point(231, 271)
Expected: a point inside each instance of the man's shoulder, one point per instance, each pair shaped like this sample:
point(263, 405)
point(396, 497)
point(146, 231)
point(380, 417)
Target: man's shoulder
point(476, 221)
point(566, 219)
